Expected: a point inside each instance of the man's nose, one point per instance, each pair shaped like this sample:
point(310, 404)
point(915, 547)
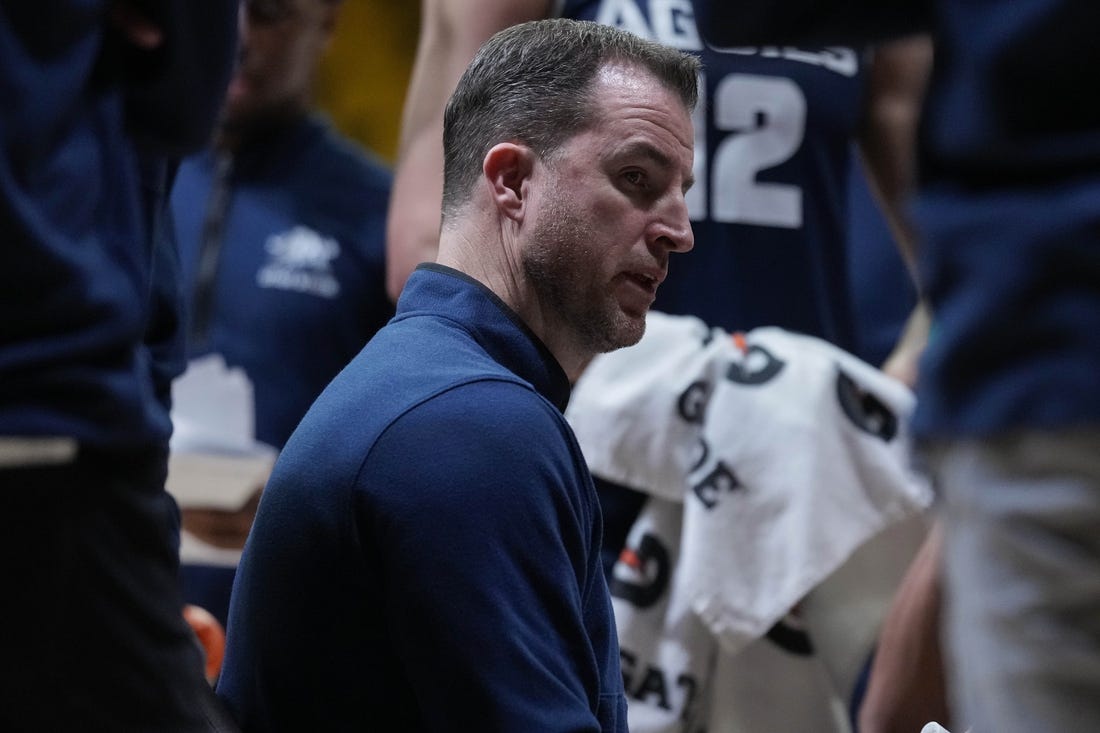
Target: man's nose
point(672, 228)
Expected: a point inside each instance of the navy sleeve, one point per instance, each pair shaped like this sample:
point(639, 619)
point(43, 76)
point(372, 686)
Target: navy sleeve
point(848, 22)
point(489, 573)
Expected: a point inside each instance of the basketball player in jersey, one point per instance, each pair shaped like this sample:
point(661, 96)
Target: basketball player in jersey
point(1008, 213)
point(774, 130)
point(774, 136)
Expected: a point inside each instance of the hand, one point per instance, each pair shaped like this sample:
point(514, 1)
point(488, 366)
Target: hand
point(211, 638)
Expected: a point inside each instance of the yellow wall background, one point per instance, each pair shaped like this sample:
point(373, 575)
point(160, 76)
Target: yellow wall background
point(362, 79)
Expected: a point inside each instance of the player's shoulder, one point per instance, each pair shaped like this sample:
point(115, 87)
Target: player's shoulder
point(495, 415)
point(490, 435)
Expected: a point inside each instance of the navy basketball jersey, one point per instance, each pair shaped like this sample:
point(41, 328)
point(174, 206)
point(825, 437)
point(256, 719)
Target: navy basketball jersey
point(769, 211)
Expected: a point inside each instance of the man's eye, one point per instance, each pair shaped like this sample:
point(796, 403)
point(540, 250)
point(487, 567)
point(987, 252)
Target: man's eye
point(635, 178)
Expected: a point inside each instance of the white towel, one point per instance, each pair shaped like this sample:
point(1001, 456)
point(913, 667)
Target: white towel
point(780, 483)
point(772, 458)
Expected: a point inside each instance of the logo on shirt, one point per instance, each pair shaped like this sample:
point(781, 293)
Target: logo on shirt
point(867, 412)
point(300, 260)
point(757, 364)
point(672, 22)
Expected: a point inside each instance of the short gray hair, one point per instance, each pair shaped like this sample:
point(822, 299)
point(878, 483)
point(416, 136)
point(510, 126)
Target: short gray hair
point(530, 84)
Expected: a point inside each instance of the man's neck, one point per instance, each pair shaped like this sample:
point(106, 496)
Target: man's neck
point(481, 253)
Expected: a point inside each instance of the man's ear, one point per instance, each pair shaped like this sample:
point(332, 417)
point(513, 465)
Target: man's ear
point(507, 168)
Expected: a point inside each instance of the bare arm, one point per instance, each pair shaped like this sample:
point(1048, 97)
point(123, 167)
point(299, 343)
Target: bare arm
point(887, 143)
point(888, 133)
point(906, 687)
point(451, 31)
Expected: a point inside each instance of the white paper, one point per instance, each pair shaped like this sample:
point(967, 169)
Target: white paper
point(216, 462)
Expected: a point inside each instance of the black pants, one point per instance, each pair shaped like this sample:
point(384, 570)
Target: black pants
point(90, 611)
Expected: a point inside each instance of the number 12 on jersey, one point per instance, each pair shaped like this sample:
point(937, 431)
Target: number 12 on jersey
point(763, 120)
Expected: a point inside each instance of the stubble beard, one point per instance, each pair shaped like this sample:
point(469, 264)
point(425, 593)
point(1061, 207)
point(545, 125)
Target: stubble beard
point(559, 266)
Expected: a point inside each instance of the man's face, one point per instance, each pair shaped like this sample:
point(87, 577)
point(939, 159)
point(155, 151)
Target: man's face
point(281, 42)
point(610, 212)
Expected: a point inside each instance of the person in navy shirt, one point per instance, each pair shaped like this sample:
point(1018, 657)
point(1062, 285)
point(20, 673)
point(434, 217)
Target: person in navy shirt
point(280, 227)
point(281, 224)
point(1008, 213)
point(426, 553)
point(90, 131)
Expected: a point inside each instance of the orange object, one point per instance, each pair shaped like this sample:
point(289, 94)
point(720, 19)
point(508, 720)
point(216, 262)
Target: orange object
point(211, 636)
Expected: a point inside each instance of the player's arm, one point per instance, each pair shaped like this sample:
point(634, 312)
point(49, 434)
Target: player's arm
point(906, 687)
point(451, 31)
point(897, 79)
